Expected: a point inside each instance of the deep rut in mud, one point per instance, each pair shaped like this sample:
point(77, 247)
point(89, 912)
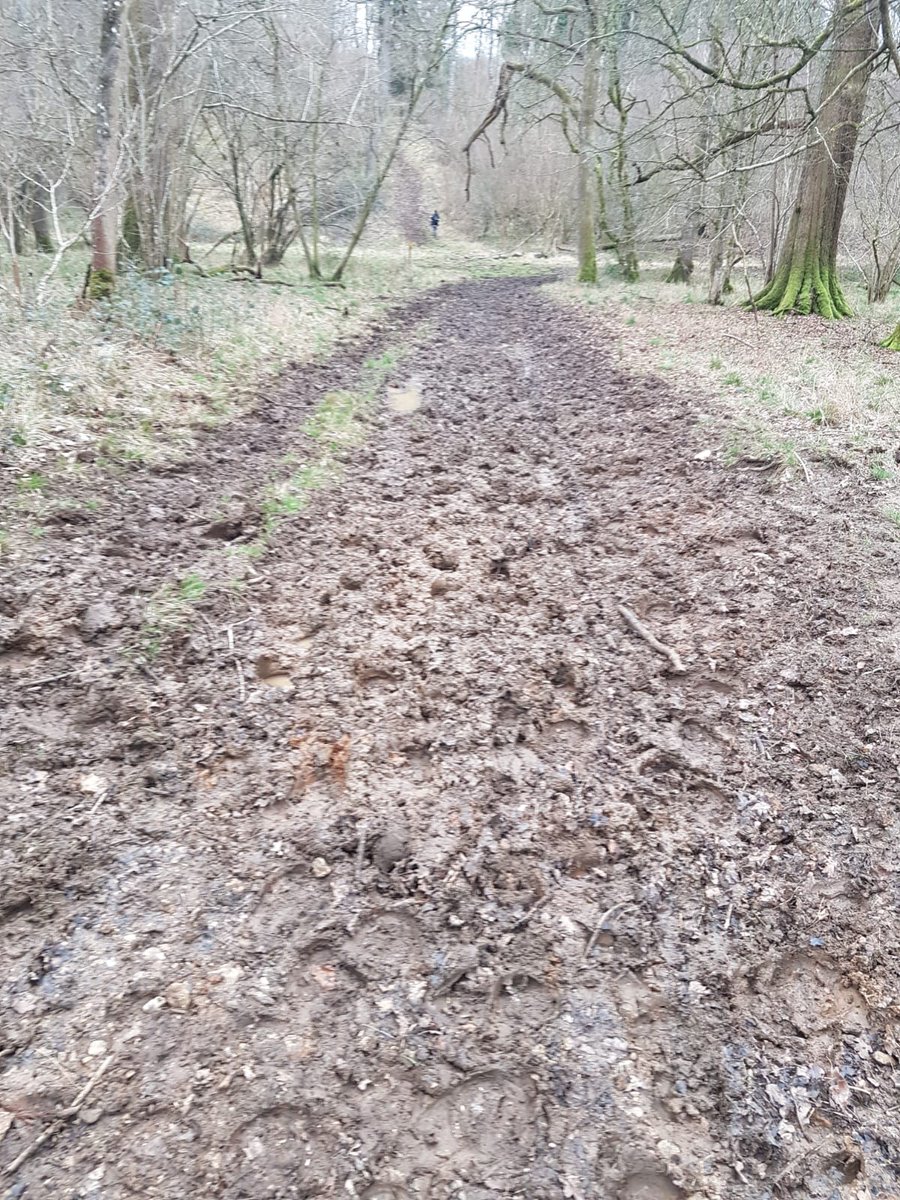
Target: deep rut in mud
point(472, 893)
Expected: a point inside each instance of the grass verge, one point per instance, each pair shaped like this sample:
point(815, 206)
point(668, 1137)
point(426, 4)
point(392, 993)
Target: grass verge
point(800, 393)
point(133, 379)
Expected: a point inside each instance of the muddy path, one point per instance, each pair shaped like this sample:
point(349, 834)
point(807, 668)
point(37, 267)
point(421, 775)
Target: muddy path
point(410, 868)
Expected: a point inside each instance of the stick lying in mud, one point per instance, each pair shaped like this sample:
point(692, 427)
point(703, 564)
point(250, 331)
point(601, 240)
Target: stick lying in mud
point(653, 642)
point(61, 1118)
point(598, 928)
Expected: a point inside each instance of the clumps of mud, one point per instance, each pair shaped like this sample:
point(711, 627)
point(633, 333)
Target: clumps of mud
point(414, 869)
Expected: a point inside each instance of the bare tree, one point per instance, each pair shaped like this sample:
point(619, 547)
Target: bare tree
point(104, 218)
point(806, 278)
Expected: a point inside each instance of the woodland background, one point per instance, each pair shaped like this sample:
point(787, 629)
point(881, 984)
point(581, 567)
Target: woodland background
point(194, 193)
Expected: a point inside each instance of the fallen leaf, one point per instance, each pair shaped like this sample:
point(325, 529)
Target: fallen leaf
point(324, 975)
point(840, 1091)
point(6, 1119)
point(339, 757)
point(93, 785)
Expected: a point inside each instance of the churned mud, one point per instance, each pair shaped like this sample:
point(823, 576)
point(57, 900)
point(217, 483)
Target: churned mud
point(410, 868)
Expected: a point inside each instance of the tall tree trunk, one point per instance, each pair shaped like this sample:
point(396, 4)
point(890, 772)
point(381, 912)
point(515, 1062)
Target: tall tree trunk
point(104, 222)
point(725, 250)
point(587, 180)
point(393, 23)
point(626, 247)
point(41, 209)
point(683, 267)
point(805, 279)
point(15, 220)
point(158, 188)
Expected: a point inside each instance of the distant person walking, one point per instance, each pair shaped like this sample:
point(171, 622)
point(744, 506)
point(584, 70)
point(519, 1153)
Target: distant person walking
point(435, 221)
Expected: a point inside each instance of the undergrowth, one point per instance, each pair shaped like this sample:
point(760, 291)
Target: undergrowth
point(336, 425)
point(800, 391)
point(132, 379)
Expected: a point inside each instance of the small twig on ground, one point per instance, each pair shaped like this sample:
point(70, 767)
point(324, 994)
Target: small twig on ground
point(795, 1162)
point(259, 279)
point(61, 1118)
point(242, 687)
point(734, 337)
point(803, 466)
point(363, 834)
point(48, 679)
point(526, 917)
point(210, 632)
point(631, 620)
point(598, 928)
point(100, 799)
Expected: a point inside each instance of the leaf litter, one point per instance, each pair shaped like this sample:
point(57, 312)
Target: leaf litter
point(508, 894)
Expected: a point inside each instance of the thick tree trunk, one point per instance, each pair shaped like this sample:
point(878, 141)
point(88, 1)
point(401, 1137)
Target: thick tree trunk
point(683, 267)
point(41, 209)
point(626, 248)
point(721, 261)
point(394, 21)
point(587, 245)
point(104, 220)
point(805, 279)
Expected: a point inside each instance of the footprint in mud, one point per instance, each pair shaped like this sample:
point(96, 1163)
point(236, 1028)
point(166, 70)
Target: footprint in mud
point(275, 1150)
point(568, 734)
point(650, 1185)
point(714, 685)
point(703, 745)
point(388, 946)
point(811, 993)
point(485, 1124)
point(524, 1002)
point(155, 1148)
point(406, 397)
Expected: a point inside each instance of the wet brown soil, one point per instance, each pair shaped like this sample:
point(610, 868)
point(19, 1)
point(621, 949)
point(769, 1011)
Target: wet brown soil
point(409, 868)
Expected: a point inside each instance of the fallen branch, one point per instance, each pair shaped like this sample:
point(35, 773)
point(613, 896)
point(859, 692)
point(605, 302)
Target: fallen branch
point(259, 279)
point(242, 687)
point(72, 1111)
point(734, 337)
point(652, 641)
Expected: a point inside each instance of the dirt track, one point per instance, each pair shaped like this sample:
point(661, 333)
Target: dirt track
point(486, 898)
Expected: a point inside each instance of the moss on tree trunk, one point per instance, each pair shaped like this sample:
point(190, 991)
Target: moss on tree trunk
point(101, 283)
point(683, 266)
point(587, 242)
point(806, 277)
point(131, 229)
point(893, 342)
point(102, 278)
point(41, 208)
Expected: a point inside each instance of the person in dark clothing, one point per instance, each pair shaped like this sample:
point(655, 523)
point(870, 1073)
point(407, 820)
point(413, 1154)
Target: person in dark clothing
point(435, 221)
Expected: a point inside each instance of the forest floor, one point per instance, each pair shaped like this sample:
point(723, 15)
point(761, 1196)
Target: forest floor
point(459, 776)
